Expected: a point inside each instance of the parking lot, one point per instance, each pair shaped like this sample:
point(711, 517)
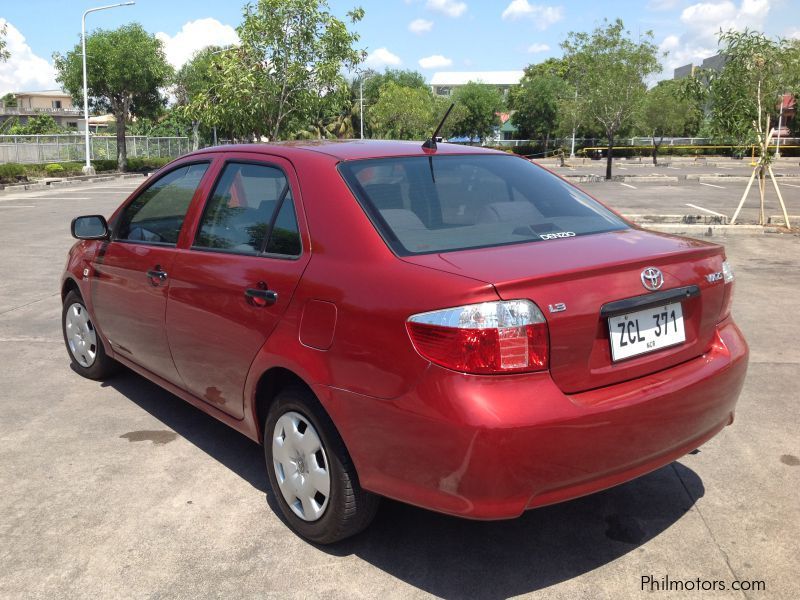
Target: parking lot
point(119, 489)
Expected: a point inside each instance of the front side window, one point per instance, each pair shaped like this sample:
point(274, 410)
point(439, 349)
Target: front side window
point(444, 203)
point(250, 212)
point(156, 215)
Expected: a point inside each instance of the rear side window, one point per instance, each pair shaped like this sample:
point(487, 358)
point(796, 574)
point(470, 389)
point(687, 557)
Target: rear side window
point(250, 210)
point(156, 215)
point(445, 203)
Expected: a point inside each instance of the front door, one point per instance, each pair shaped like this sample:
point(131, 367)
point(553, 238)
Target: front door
point(132, 272)
point(229, 290)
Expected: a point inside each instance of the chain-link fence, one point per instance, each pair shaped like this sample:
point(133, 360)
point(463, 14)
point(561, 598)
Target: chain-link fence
point(70, 148)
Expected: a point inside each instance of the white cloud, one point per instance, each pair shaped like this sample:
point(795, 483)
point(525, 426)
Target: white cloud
point(794, 34)
point(24, 71)
point(436, 61)
point(542, 15)
point(702, 22)
point(380, 58)
point(194, 36)
point(536, 48)
point(420, 26)
point(451, 8)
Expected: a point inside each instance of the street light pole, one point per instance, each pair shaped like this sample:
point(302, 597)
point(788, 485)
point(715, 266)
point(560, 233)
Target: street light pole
point(780, 126)
point(361, 104)
point(88, 169)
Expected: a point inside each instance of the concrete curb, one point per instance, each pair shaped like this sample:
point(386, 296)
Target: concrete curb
point(66, 182)
point(715, 230)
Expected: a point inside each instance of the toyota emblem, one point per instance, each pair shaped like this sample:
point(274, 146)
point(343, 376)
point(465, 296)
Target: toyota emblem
point(652, 278)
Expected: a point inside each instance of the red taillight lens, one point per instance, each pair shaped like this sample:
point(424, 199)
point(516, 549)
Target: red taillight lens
point(492, 337)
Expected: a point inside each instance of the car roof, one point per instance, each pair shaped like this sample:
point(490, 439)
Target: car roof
point(350, 149)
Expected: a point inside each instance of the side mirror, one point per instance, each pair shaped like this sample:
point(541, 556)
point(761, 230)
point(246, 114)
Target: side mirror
point(90, 227)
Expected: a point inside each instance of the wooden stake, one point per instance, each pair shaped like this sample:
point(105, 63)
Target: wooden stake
point(744, 197)
point(778, 191)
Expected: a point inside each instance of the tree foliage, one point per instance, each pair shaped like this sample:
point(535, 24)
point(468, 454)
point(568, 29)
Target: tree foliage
point(668, 110)
point(285, 72)
point(4, 53)
point(757, 71)
point(37, 125)
point(126, 71)
point(537, 103)
point(610, 69)
point(402, 112)
point(373, 81)
point(479, 105)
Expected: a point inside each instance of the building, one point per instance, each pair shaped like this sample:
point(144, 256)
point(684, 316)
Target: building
point(444, 83)
point(712, 63)
point(56, 103)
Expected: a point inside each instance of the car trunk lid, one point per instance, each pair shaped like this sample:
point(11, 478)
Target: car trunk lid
point(586, 273)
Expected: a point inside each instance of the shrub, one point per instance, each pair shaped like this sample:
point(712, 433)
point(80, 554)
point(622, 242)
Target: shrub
point(11, 172)
point(54, 169)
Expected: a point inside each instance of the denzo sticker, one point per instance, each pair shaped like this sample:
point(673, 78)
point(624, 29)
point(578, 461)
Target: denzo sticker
point(560, 234)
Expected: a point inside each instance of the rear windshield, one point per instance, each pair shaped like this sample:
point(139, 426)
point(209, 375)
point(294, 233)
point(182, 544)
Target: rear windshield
point(427, 204)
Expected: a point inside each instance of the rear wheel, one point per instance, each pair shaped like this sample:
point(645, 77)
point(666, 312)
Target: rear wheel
point(84, 345)
point(310, 471)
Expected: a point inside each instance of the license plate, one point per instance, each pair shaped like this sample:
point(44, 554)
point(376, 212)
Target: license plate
point(646, 330)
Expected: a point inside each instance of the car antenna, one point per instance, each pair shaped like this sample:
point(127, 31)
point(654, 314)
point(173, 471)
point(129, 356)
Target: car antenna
point(431, 142)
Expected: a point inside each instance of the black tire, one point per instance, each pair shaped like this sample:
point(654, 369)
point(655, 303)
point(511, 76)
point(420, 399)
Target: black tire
point(102, 366)
point(350, 509)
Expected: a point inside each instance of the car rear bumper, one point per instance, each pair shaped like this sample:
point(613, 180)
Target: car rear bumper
point(488, 447)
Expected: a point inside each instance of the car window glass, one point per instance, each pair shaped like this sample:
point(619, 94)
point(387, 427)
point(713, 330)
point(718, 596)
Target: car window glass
point(156, 215)
point(285, 236)
point(238, 214)
point(447, 203)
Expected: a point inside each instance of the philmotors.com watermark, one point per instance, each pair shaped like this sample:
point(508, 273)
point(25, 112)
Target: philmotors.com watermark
point(650, 583)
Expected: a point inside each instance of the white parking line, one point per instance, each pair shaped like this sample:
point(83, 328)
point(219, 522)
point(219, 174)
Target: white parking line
point(712, 185)
point(706, 210)
point(17, 206)
point(791, 185)
point(633, 187)
point(674, 168)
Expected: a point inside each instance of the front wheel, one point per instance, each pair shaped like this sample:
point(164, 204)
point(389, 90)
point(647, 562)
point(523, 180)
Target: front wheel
point(84, 345)
point(310, 471)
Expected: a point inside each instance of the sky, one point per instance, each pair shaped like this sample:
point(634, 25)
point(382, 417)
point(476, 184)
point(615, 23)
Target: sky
point(424, 35)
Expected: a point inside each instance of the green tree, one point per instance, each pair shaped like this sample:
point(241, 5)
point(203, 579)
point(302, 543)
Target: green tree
point(286, 71)
point(37, 125)
point(611, 70)
point(373, 82)
point(401, 112)
point(195, 77)
point(480, 104)
point(9, 100)
point(537, 104)
point(126, 71)
point(4, 53)
point(667, 111)
point(746, 92)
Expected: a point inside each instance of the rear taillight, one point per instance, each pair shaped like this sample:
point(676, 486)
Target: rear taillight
point(727, 294)
point(491, 337)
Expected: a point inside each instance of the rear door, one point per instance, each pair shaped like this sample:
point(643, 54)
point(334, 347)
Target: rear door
point(229, 290)
point(131, 273)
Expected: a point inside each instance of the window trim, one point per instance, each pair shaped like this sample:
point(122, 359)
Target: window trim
point(155, 179)
point(279, 204)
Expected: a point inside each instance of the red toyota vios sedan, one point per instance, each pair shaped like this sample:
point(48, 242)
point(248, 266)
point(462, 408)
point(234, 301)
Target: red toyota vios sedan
point(452, 327)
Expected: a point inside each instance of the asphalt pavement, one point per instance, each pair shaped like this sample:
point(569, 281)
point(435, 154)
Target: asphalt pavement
point(119, 489)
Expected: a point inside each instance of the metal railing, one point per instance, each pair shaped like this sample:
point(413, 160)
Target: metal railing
point(70, 148)
point(15, 110)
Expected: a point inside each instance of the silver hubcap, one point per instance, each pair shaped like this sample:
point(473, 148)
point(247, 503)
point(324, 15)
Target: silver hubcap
point(81, 335)
point(301, 466)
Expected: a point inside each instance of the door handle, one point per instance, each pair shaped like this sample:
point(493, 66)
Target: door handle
point(156, 275)
point(260, 296)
